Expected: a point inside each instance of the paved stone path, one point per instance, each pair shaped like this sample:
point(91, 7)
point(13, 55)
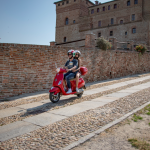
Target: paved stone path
point(33, 123)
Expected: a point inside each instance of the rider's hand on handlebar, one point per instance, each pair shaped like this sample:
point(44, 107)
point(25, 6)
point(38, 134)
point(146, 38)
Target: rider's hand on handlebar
point(67, 70)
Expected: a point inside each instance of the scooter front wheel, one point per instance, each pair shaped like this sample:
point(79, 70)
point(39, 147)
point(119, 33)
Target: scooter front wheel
point(54, 98)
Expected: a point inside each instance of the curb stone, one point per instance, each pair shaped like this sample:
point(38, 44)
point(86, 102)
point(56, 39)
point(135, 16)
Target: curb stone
point(89, 136)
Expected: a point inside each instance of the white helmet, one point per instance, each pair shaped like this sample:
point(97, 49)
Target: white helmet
point(76, 51)
point(71, 51)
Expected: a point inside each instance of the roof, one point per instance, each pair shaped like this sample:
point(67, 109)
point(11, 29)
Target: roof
point(104, 3)
point(65, 0)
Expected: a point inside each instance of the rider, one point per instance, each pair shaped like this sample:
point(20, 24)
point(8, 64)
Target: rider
point(77, 54)
point(70, 65)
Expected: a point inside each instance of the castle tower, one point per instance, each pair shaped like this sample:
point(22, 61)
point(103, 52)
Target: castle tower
point(67, 19)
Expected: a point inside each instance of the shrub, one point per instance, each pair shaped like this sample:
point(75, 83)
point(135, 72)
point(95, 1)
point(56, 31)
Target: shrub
point(141, 49)
point(103, 44)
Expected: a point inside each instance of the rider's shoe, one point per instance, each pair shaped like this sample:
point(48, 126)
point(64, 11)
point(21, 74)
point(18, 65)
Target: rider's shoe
point(69, 91)
point(77, 90)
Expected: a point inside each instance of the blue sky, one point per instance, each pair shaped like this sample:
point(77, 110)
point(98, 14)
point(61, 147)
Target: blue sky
point(28, 21)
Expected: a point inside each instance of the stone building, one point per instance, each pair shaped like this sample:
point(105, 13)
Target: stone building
point(125, 20)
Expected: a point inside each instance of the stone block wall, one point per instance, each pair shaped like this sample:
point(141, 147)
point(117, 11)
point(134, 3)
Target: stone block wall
point(30, 68)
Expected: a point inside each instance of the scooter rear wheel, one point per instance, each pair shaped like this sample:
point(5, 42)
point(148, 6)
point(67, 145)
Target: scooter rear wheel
point(54, 98)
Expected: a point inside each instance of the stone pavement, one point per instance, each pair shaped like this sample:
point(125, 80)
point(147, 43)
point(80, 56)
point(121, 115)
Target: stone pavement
point(46, 118)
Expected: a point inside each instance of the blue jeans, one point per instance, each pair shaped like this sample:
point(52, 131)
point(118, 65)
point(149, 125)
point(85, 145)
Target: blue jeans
point(68, 76)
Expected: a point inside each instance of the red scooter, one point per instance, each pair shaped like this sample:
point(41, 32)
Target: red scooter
point(58, 89)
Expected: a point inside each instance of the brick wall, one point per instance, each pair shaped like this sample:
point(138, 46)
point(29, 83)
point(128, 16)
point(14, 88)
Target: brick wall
point(30, 68)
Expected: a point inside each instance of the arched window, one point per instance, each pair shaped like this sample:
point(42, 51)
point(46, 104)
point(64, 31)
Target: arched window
point(133, 17)
point(65, 39)
point(135, 1)
point(99, 23)
point(103, 8)
point(112, 20)
point(128, 3)
point(115, 6)
point(133, 30)
point(67, 21)
point(121, 21)
point(92, 11)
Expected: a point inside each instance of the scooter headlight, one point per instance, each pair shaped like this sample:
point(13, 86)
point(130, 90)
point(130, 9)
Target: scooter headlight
point(58, 69)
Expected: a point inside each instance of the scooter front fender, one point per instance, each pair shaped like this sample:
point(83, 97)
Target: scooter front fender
point(55, 90)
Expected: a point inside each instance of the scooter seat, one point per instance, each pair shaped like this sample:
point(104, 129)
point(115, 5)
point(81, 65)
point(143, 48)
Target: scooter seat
point(72, 79)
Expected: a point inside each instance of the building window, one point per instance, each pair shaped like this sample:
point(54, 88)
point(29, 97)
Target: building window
point(121, 21)
point(111, 33)
point(134, 30)
point(91, 26)
point(74, 0)
point(135, 1)
point(103, 8)
point(112, 20)
point(97, 9)
point(67, 21)
point(133, 17)
point(92, 11)
point(126, 33)
point(65, 39)
point(58, 4)
point(67, 2)
point(128, 3)
point(109, 7)
point(99, 34)
point(86, 2)
point(74, 21)
point(62, 3)
point(115, 6)
point(99, 23)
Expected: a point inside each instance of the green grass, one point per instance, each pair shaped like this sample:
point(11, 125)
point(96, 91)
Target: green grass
point(141, 145)
point(149, 124)
point(136, 118)
point(148, 113)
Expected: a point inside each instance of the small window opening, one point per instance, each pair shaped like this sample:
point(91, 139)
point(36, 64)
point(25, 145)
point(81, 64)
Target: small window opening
point(62, 3)
point(109, 7)
point(111, 33)
point(121, 21)
point(67, 21)
point(74, 21)
point(99, 34)
point(67, 2)
point(128, 3)
point(97, 9)
point(134, 30)
point(99, 23)
point(74, 0)
point(65, 39)
point(135, 1)
point(126, 33)
point(58, 4)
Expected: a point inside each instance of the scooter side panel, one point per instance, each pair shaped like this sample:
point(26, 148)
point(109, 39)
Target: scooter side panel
point(81, 83)
point(58, 79)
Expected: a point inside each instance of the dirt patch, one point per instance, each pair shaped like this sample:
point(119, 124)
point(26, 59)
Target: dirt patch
point(132, 133)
